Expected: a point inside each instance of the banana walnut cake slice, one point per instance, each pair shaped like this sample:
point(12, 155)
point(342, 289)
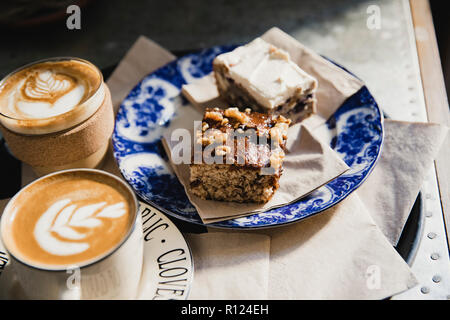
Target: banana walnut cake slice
point(238, 155)
point(263, 76)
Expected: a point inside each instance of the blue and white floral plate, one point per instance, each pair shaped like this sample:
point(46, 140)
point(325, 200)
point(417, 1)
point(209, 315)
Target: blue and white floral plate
point(355, 131)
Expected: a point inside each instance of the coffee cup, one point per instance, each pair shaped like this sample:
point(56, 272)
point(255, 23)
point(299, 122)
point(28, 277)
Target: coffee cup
point(56, 114)
point(75, 234)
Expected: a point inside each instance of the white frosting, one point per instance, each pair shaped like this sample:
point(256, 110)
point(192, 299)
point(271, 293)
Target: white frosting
point(31, 98)
point(61, 217)
point(266, 72)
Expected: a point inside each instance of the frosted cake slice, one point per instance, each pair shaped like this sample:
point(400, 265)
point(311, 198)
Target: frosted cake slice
point(263, 77)
point(248, 151)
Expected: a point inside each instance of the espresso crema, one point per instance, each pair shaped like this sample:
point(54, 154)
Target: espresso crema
point(50, 95)
point(68, 219)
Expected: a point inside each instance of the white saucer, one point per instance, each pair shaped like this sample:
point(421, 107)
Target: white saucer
point(167, 271)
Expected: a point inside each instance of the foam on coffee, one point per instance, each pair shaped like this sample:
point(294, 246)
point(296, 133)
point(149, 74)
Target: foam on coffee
point(68, 219)
point(50, 92)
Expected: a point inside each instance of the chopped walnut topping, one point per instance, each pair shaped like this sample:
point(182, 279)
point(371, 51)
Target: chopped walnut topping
point(222, 150)
point(283, 124)
point(199, 139)
point(276, 158)
point(271, 127)
point(211, 136)
point(261, 132)
point(279, 132)
point(276, 135)
point(283, 127)
point(213, 115)
point(236, 114)
point(283, 119)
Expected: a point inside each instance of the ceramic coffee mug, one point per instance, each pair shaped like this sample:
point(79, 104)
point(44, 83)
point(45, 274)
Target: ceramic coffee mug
point(56, 114)
point(75, 234)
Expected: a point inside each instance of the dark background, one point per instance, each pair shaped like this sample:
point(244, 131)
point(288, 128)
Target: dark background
point(31, 30)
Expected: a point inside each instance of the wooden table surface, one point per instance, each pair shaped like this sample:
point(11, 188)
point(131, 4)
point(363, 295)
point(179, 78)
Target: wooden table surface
point(434, 93)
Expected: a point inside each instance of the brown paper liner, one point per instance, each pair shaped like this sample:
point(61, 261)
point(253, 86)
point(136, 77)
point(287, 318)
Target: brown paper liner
point(64, 147)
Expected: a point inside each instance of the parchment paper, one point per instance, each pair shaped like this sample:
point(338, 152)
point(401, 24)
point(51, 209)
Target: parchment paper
point(338, 254)
point(230, 266)
point(390, 191)
point(308, 164)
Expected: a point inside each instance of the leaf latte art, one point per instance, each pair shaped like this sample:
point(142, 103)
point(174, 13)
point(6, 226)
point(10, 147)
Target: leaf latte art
point(58, 230)
point(48, 89)
point(68, 218)
point(47, 86)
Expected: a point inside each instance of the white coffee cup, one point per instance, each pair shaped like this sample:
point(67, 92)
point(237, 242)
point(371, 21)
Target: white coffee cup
point(113, 275)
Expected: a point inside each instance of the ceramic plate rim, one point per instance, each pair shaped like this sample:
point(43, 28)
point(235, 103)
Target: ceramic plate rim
point(271, 225)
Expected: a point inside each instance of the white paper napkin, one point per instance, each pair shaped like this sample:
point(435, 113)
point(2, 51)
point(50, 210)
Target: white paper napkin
point(230, 266)
point(338, 254)
point(391, 189)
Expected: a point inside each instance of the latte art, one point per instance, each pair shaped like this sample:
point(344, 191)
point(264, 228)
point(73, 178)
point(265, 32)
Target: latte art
point(48, 89)
point(70, 218)
point(46, 94)
point(47, 86)
point(65, 221)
